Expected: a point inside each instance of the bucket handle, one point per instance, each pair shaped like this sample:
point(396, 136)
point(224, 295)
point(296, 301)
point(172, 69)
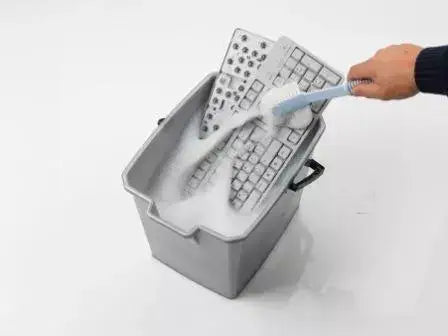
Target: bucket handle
point(318, 170)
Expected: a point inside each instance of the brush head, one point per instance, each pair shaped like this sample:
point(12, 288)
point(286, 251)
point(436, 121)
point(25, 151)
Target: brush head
point(268, 107)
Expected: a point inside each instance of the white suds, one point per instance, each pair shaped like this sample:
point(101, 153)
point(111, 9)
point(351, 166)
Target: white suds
point(207, 208)
point(298, 120)
point(210, 208)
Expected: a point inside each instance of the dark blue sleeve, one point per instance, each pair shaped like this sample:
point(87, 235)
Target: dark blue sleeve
point(431, 70)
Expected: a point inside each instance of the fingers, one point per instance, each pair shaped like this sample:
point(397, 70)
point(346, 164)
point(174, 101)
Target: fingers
point(362, 70)
point(365, 70)
point(368, 91)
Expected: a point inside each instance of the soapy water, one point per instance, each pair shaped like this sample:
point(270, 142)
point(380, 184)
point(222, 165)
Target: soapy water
point(210, 207)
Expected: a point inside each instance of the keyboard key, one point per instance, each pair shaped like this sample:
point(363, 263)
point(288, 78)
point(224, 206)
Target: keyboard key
point(319, 82)
point(227, 138)
point(236, 185)
point(285, 72)
point(224, 79)
point(249, 146)
point(300, 70)
point(244, 155)
point(257, 86)
point(242, 176)
point(245, 104)
point(294, 137)
point(252, 199)
point(221, 145)
point(232, 153)
point(269, 174)
point(259, 169)
point(194, 182)
point(291, 63)
point(237, 163)
point(251, 95)
point(317, 106)
point(212, 157)
point(309, 76)
point(237, 204)
point(294, 77)
point(284, 152)
point(271, 152)
point(257, 134)
point(311, 63)
point(276, 163)
point(297, 54)
point(259, 150)
point(242, 195)
point(262, 185)
point(304, 85)
point(266, 141)
point(254, 178)
point(205, 165)
point(247, 167)
point(278, 81)
point(330, 76)
point(234, 172)
point(283, 133)
point(199, 173)
point(245, 131)
point(248, 186)
point(254, 159)
point(289, 80)
point(238, 144)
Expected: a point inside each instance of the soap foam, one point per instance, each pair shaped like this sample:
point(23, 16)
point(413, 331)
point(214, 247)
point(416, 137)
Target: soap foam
point(207, 208)
point(299, 119)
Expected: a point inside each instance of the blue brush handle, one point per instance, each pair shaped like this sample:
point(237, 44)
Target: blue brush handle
point(304, 99)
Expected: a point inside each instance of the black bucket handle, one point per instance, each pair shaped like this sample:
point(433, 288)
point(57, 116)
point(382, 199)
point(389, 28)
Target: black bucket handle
point(318, 170)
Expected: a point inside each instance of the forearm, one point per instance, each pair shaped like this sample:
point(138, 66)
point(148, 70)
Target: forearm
point(431, 70)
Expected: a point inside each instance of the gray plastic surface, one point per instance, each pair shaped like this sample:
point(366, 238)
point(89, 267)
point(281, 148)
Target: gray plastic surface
point(222, 264)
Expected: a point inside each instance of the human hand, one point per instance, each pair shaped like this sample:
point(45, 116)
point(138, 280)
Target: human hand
point(392, 72)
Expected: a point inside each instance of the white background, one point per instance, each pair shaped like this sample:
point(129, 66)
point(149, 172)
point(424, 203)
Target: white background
point(82, 84)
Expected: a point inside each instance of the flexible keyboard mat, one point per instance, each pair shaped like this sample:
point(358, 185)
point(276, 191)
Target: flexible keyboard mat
point(245, 55)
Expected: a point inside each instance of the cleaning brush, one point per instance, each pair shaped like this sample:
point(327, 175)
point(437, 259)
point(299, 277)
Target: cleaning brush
point(289, 98)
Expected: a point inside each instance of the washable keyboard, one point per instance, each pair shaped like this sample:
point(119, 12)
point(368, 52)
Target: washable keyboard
point(259, 158)
point(245, 55)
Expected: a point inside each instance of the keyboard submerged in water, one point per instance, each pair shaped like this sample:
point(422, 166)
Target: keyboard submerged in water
point(259, 156)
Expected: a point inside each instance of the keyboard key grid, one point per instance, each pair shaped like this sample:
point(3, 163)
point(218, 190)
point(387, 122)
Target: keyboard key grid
point(245, 55)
